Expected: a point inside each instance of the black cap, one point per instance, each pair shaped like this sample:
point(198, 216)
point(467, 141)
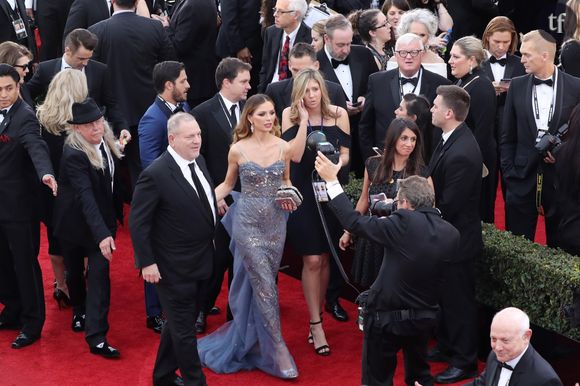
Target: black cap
point(85, 112)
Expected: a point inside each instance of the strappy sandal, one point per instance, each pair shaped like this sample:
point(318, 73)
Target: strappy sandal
point(323, 350)
point(310, 339)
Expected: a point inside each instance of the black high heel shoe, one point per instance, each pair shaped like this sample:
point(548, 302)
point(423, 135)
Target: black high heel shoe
point(61, 298)
point(323, 350)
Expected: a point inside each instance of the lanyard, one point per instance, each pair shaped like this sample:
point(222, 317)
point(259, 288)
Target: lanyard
point(537, 106)
point(309, 126)
point(225, 110)
point(414, 88)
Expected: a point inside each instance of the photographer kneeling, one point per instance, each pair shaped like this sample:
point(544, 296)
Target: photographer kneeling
point(401, 307)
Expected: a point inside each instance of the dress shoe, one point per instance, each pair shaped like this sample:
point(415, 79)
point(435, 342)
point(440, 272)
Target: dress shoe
point(169, 380)
point(6, 325)
point(78, 322)
point(337, 311)
point(156, 323)
point(436, 355)
point(23, 340)
point(103, 349)
point(453, 375)
point(215, 310)
point(200, 322)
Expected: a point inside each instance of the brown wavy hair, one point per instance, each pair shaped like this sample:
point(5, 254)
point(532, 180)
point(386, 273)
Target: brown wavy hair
point(500, 24)
point(243, 129)
point(299, 89)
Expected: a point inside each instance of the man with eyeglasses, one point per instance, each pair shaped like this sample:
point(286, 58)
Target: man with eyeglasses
point(280, 38)
point(387, 88)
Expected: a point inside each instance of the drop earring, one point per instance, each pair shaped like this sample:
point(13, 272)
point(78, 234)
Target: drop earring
point(470, 69)
point(252, 127)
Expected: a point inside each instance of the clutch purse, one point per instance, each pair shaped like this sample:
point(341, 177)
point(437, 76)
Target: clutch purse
point(288, 194)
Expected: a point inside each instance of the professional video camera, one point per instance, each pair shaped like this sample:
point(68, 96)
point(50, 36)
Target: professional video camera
point(551, 141)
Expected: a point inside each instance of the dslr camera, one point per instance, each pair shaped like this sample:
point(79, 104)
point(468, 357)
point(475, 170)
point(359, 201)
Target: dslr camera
point(382, 208)
point(316, 141)
point(549, 141)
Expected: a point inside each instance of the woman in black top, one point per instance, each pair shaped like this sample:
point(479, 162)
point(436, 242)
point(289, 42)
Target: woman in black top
point(375, 32)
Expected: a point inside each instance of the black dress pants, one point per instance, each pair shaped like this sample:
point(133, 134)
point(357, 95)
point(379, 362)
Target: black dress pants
point(92, 296)
point(51, 18)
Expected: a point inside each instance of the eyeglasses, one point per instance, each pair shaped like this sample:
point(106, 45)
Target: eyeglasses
point(281, 11)
point(404, 53)
point(22, 66)
point(385, 24)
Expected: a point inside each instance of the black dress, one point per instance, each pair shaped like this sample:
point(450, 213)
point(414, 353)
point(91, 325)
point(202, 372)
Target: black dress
point(304, 231)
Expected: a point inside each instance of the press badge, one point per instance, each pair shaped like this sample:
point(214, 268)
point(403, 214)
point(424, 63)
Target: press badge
point(19, 28)
point(320, 191)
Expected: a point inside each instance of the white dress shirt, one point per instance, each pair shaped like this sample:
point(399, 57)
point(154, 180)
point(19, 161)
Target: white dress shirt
point(228, 107)
point(498, 70)
point(409, 88)
point(546, 98)
point(344, 76)
point(505, 375)
point(109, 157)
point(4, 116)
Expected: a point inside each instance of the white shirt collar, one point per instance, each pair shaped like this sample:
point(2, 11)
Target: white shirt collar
point(415, 75)
point(123, 11)
point(171, 106)
point(446, 136)
point(181, 162)
point(64, 65)
point(291, 34)
point(513, 363)
point(228, 102)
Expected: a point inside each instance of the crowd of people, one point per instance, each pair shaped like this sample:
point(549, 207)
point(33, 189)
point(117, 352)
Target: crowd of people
point(201, 113)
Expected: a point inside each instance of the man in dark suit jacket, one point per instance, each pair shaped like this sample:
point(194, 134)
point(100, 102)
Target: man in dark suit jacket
point(386, 90)
point(302, 56)
point(193, 32)
point(172, 223)
point(170, 82)
point(240, 35)
point(533, 108)
point(8, 14)
point(513, 360)
point(22, 152)
point(408, 280)
point(456, 168)
point(79, 47)
point(217, 118)
point(85, 13)
point(131, 45)
point(280, 38)
point(51, 16)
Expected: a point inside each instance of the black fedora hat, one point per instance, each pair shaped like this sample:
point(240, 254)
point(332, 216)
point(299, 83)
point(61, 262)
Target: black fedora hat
point(85, 112)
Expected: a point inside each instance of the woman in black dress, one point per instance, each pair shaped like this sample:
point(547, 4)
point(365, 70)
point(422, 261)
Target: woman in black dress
point(466, 57)
point(417, 108)
point(401, 158)
point(311, 110)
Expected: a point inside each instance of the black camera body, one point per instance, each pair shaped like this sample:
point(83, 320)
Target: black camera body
point(383, 208)
point(329, 151)
point(551, 141)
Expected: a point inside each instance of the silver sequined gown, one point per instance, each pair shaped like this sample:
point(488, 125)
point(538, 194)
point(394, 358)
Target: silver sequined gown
point(258, 230)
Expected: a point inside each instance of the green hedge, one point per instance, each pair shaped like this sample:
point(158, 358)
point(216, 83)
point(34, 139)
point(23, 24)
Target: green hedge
point(515, 272)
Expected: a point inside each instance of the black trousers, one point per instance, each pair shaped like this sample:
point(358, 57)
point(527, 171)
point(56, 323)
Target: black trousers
point(457, 332)
point(19, 247)
point(51, 18)
point(379, 357)
point(178, 344)
point(92, 296)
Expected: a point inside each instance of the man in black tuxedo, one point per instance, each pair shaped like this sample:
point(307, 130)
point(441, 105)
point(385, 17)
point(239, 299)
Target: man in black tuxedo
point(131, 45)
point(513, 359)
point(536, 104)
point(456, 169)
point(387, 88)
point(240, 35)
point(302, 56)
point(280, 38)
point(51, 16)
point(172, 224)
point(402, 305)
point(217, 118)
point(193, 32)
point(14, 24)
point(78, 51)
point(22, 151)
point(85, 13)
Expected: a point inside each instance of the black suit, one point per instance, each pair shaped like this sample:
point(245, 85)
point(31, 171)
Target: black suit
point(193, 31)
point(520, 161)
point(51, 16)
point(170, 228)
point(86, 211)
point(531, 369)
point(7, 29)
point(456, 170)
point(24, 160)
point(409, 279)
point(272, 48)
point(99, 85)
point(281, 94)
point(382, 99)
point(85, 13)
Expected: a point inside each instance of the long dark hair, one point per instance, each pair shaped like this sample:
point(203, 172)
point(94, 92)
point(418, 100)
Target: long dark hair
point(420, 107)
point(569, 156)
point(415, 162)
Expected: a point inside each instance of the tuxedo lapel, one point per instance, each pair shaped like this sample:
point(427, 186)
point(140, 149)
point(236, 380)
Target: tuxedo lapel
point(219, 115)
point(395, 88)
point(163, 107)
point(287, 94)
point(201, 163)
point(528, 95)
point(355, 74)
point(486, 67)
point(327, 69)
point(5, 123)
point(8, 116)
point(440, 153)
point(559, 102)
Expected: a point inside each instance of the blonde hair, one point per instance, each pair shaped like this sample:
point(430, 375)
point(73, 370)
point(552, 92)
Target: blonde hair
point(243, 129)
point(299, 85)
point(471, 47)
point(67, 87)
point(75, 140)
point(500, 24)
point(542, 41)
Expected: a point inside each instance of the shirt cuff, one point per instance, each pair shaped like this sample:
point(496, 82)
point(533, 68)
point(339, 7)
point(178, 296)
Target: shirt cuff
point(333, 188)
point(28, 4)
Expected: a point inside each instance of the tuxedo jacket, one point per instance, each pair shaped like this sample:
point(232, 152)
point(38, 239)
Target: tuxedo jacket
point(271, 50)
point(532, 369)
point(281, 93)
point(193, 32)
point(513, 68)
point(456, 172)
point(131, 45)
point(24, 160)
point(85, 13)
point(7, 29)
point(87, 207)
point(98, 81)
point(240, 28)
point(519, 158)
point(217, 136)
point(153, 131)
point(382, 99)
point(168, 224)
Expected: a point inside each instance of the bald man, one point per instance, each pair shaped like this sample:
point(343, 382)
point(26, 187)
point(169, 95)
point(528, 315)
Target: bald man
point(537, 103)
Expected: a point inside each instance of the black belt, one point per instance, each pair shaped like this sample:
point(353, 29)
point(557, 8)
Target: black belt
point(386, 317)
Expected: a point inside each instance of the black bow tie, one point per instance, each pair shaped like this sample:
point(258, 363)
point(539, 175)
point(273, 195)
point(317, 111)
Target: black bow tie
point(336, 63)
point(501, 62)
point(505, 366)
point(413, 81)
point(548, 82)
point(3, 112)
point(178, 109)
